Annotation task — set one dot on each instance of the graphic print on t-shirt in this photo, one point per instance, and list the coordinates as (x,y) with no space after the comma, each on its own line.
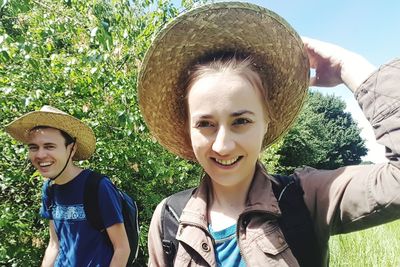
(70,212)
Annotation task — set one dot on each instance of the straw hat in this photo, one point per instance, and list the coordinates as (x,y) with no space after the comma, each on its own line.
(55,118)
(238,27)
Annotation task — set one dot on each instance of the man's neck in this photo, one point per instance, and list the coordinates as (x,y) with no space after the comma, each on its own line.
(68,174)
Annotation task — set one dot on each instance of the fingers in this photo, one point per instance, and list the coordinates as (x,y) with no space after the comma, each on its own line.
(334,65)
(327,67)
(313,57)
(323,49)
(313,81)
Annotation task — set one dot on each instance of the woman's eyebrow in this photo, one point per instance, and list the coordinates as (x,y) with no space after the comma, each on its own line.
(202,116)
(241,112)
(233,114)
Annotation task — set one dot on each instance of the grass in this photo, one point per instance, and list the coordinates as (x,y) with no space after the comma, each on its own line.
(374,247)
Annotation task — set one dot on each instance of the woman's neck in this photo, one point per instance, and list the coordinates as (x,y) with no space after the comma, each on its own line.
(227,203)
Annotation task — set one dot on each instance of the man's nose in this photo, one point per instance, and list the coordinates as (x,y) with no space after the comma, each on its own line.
(40,153)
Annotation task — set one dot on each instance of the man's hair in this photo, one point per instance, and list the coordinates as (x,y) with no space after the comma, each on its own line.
(68,139)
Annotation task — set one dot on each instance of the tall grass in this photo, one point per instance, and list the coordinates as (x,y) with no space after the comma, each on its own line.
(374,247)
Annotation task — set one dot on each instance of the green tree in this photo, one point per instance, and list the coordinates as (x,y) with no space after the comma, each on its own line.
(324,136)
(81,57)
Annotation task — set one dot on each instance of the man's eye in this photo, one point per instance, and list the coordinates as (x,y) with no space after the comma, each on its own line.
(50,147)
(241,121)
(32,148)
(203,124)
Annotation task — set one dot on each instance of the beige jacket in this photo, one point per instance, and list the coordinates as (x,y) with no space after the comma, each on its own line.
(340,201)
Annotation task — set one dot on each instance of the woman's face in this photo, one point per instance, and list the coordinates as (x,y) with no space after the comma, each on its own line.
(227,126)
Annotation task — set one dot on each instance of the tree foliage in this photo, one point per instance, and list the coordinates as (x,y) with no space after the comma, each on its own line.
(325,136)
(83,58)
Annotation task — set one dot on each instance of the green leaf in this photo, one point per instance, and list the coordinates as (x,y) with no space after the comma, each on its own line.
(4,56)
(4,4)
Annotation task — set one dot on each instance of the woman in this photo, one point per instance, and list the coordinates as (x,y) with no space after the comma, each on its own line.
(234,77)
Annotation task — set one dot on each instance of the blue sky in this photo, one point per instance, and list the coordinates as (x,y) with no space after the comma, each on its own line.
(370,28)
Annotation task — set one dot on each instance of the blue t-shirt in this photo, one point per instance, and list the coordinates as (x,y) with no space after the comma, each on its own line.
(226,248)
(80,243)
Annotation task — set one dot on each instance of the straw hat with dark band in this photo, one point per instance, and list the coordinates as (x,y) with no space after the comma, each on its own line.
(55,118)
(242,28)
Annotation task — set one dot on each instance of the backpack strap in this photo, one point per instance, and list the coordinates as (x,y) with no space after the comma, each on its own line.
(170,213)
(296,223)
(49,201)
(91,200)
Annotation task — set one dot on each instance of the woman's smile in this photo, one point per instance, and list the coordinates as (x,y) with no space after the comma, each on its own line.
(227,162)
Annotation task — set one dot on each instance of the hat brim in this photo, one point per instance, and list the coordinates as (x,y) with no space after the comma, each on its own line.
(242,28)
(85,138)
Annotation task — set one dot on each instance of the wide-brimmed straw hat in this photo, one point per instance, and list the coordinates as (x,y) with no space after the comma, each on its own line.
(55,118)
(237,27)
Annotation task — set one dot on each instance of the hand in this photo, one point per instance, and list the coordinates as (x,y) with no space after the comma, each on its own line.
(335,65)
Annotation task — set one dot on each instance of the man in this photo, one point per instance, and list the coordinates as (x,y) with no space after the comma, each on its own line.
(56,139)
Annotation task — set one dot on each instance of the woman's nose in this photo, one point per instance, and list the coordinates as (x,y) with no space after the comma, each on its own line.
(223,143)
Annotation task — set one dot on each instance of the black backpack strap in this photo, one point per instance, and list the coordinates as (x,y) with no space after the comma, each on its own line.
(91,200)
(170,213)
(49,201)
(295,222)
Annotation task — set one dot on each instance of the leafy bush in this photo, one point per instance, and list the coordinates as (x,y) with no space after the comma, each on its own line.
(81,57)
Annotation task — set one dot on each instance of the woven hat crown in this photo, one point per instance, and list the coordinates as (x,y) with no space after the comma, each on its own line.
(237,27)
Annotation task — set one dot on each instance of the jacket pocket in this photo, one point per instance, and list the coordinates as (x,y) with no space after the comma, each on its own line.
(273,244)
(188,257)
(275,249)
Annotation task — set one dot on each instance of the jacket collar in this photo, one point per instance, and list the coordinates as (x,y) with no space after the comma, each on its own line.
(260,198)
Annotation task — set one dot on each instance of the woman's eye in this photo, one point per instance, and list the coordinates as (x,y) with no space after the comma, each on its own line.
(50,147)
(203,124)
(241,121)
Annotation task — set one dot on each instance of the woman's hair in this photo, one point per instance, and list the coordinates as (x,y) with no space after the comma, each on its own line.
(242,66)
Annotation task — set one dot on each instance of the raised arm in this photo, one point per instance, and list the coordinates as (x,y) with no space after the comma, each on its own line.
(357,197)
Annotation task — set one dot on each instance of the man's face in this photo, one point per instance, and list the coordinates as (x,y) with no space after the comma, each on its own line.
(48,152)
